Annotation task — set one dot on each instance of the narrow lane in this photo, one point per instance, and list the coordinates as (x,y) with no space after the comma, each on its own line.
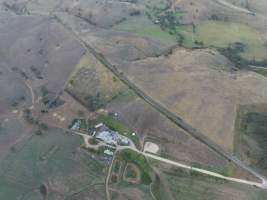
(262,185)
(203,171)
(236,8)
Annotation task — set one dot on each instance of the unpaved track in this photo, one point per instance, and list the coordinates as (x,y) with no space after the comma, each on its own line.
(236,8)
(32,93)
(161,108)
(107,179)
(203,171)
(262,185)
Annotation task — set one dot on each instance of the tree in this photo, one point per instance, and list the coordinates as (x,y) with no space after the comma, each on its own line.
(94,102)
(43,126)
(38,132)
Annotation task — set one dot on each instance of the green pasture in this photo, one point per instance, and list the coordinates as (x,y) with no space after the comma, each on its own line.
(142,26)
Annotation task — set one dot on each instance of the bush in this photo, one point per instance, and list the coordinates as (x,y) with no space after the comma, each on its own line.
(94,102)
(254,125)
(199,43)
(232,52)
(139,160)
(27,116)
(214,17)
(135,13)
(93,141)
(43,126)
(38,132)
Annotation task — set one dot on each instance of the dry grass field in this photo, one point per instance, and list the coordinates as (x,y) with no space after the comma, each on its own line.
(39,51)
(203,60)
(201,86)
(192,85)
(35,53)
(146,122)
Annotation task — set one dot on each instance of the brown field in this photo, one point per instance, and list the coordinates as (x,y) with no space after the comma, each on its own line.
(150,125)
(198,91)
(46,59)
(32,57)
(201,86)
(42,61)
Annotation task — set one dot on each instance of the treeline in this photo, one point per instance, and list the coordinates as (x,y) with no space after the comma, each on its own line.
(167,19)
(233,51)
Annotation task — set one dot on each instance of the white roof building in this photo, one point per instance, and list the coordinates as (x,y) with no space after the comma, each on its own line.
(107,137)
(99,125)
(112,138)
(76,125)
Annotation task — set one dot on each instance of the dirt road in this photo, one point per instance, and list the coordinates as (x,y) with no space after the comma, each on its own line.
(86,138)
(262,185)
(203,171)
(236,8)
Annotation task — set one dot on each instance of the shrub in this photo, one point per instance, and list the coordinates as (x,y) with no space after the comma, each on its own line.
(94,102)
(139,160)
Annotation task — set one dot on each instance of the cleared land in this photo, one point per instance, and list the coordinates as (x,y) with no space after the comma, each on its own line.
(39,51)
(148,124)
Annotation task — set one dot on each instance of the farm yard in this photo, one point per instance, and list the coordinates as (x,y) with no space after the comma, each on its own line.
(215,65)
(130,65)
(176,144)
